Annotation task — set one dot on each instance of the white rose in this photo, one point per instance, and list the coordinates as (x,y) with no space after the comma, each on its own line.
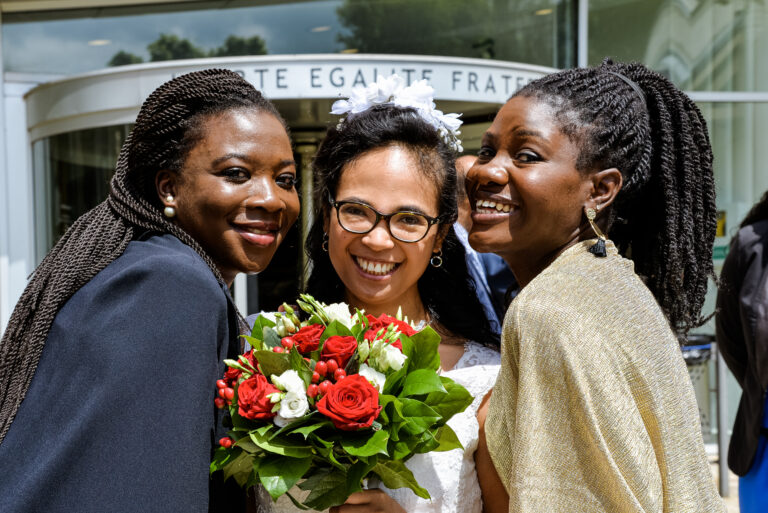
(292,407)
(375,377)
(290,381)
(339,312)
(391,358)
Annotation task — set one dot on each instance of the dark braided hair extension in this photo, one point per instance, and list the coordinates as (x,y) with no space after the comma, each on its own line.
(447,292)
(167,127)
(664,217)
(758,212)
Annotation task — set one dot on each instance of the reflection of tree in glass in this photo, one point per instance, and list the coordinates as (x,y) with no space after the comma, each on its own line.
(430,27)
(171,47)
(122,58)
(532,31)
(235,45)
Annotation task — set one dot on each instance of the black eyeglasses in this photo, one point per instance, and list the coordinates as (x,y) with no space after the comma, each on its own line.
(356,217)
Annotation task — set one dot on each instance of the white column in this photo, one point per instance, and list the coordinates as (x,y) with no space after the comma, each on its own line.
(582,33)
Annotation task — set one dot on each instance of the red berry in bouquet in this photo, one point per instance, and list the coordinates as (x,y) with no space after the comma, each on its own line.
(315,377)
(324,386)
(220,403)
(321,368)
(331,366)
(287,342)
(278,349)
(312,391)
(226,442)
(252,398)
(307,339)
(339,374)
(340,349)
(351,404)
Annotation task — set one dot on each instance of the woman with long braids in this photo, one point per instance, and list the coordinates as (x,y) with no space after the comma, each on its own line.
(384,205)
(109,362)
(742,337)
(593,410)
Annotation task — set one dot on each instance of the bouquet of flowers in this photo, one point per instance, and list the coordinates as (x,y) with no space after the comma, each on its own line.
(332,400)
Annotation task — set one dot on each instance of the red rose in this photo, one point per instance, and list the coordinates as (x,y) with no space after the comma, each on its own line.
(307,339)
(351,403)
(339,348)
(385,320)
(252,398)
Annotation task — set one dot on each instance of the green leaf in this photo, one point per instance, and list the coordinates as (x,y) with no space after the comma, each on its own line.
(256,343)
(425,355)
(247,445)
(272,363)
(278,474)
(454,400)
(239,468)
(419,417)
(447,439)
(356,473)
(330,491)
(394,381)
(259,324)
(394,474)
(366,446)
(271,338)
(300,365)
(281,445)
(422,382)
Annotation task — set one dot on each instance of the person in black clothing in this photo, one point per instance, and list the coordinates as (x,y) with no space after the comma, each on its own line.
(109,362)
(742,335)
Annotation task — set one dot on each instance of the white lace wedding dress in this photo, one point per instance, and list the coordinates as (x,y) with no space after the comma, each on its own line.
(450,477)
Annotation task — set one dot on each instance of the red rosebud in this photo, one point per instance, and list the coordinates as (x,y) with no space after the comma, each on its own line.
(252,398)
(312,391)
(339,374)
(383,320)
(321,368)
(307,339)
(339,348)
(351,404)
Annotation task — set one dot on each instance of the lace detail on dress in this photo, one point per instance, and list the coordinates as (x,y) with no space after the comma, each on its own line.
(450,477)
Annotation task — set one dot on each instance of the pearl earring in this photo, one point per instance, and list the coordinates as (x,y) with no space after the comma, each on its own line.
(169,211)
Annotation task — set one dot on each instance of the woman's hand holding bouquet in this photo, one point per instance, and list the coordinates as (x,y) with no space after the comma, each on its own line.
(330,401)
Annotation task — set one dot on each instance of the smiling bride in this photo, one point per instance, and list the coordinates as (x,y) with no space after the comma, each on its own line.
(385,200)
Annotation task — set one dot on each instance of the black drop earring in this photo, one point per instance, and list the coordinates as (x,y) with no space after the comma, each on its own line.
(598,248)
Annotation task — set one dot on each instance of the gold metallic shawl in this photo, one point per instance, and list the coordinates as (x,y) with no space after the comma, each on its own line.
(593,409)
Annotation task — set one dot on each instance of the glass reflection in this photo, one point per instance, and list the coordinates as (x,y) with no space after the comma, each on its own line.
(530,31)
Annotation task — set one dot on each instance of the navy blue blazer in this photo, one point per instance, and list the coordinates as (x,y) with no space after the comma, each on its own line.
(120,414)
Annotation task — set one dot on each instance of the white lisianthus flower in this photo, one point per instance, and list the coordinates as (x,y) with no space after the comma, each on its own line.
(292,407)
(339,312)
(289,381)
(391,358)
(363,350)
(374,377)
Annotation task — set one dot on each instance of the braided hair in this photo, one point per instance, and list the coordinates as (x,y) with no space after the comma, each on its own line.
(447,292)
(168,126)
(664,218)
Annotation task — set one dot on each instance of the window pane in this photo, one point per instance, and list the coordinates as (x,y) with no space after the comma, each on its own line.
(700,45)
(530,31)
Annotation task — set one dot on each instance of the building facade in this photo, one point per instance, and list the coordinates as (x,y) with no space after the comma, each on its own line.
(76,71)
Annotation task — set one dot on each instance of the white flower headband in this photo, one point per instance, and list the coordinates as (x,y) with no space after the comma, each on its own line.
(418,96)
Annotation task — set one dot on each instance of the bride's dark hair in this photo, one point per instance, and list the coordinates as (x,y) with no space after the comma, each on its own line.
(448,292)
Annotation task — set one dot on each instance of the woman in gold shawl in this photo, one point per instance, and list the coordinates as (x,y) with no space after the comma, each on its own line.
(593,410)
